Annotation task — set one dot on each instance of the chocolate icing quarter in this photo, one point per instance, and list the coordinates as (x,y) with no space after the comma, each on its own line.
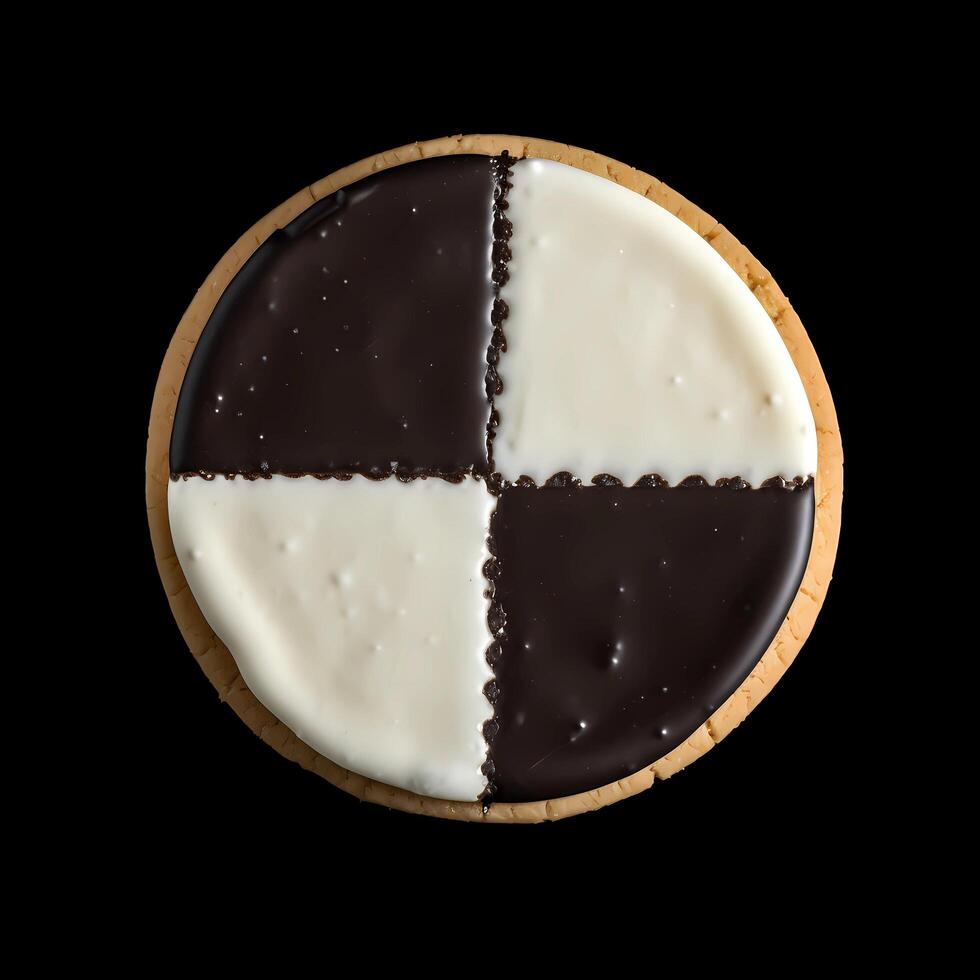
(631,615)
(355,338)
(492,479)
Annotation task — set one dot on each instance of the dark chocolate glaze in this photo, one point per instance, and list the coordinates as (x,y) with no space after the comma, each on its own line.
(495,623)
(356,338)
(623,617)
(503,229)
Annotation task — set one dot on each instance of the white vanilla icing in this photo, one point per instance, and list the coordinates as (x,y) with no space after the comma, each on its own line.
(355,612)
(633,348)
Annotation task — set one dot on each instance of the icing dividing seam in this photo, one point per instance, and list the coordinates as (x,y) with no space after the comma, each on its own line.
(500,256)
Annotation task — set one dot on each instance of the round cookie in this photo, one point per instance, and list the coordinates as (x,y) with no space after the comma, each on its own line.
(221,668)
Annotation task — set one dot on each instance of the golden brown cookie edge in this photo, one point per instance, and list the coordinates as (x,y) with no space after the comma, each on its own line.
(218,664)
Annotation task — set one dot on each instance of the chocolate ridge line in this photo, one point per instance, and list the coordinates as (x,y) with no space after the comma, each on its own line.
(495,484)
(500,255)
(567,480)
(503,230)
(402,474)
(496,623)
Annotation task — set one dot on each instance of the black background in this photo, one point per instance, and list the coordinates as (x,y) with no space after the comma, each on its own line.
(797,776)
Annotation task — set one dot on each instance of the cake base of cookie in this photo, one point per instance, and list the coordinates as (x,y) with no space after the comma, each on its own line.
(215,659)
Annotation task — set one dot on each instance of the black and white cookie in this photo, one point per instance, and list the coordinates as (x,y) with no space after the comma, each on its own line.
(493,476)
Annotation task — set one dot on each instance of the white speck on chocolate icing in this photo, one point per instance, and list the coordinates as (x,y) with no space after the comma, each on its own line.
(609,294)
(326,594)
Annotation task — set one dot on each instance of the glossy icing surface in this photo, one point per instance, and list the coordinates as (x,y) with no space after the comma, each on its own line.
(628,616)
(633,348)
(355,612)
(389,328)
(354,339)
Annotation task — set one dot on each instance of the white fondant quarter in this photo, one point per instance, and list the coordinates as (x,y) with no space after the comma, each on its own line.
(633,348)
(355,611)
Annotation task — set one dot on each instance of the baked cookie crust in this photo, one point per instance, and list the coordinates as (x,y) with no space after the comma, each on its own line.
(215,659)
